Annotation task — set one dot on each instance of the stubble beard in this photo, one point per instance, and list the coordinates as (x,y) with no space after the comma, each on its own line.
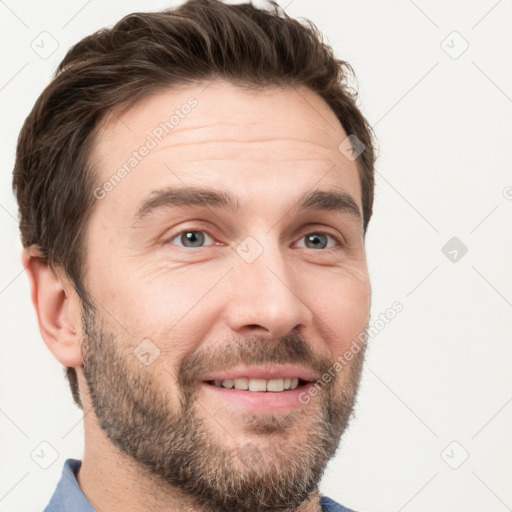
(277,468)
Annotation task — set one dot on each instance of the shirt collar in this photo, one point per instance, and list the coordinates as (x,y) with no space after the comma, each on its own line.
(68,497)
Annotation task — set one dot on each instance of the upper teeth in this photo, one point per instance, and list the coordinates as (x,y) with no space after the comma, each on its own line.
(258,384)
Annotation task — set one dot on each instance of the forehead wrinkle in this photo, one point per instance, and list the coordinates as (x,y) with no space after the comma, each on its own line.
(314,150)
(251,122)
(311,133)
(236,133)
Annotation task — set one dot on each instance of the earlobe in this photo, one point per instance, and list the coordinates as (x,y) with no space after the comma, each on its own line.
(57,307)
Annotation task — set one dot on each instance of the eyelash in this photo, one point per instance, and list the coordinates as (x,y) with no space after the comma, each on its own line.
(339,242)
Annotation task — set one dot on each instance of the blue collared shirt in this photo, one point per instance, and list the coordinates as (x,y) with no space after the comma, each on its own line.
(68,497)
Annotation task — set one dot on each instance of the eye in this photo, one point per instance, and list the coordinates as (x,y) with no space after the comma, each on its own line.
(191,238)
(318,240)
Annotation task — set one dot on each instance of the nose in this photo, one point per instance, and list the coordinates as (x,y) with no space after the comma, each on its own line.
(266,296)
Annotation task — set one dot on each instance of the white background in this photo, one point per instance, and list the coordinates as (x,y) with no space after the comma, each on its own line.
(440,371)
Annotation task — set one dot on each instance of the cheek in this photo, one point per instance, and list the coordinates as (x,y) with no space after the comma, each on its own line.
(172,307)
(343,308)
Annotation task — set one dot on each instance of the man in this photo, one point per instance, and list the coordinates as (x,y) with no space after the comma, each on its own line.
(194,189)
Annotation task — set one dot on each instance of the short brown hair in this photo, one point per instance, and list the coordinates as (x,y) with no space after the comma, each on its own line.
(198,41)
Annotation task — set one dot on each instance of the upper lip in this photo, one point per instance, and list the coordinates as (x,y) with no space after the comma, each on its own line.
(268,372)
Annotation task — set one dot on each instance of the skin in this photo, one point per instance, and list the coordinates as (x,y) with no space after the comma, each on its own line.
(206,307)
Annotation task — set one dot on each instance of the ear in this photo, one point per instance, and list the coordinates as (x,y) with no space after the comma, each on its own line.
(58,308)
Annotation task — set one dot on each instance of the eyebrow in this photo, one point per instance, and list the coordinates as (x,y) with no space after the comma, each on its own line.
(196,196)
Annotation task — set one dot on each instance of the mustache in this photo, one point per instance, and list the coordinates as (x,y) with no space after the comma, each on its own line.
(289,349)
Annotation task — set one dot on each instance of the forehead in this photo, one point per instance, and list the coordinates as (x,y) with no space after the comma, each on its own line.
(252,142)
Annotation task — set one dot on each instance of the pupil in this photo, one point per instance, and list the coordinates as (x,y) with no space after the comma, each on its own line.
(192,236)
(314,239)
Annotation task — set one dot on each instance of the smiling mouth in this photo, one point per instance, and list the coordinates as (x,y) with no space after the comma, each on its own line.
(259,385)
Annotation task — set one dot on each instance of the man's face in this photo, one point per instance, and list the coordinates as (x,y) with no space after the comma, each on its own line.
(192,292)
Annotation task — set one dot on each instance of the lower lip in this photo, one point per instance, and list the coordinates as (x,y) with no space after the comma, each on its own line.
(261,401)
